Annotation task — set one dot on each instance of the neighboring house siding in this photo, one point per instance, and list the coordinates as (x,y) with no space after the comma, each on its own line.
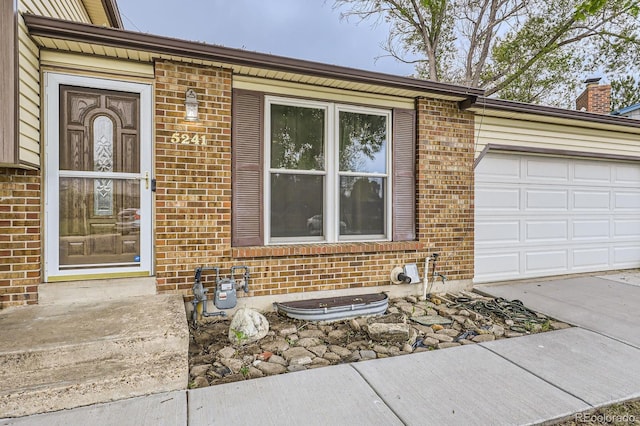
(194,200)
(528,134)
(29,73)
(8,86)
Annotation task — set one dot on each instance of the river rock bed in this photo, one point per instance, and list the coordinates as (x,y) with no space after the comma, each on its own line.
(294,345)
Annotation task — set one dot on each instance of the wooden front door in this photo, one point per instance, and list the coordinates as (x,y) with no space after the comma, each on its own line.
(103,197)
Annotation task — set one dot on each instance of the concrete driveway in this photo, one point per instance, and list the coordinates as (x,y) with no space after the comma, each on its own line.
(605,304)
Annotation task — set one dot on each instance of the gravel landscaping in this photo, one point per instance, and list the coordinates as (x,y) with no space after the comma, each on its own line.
(408,326)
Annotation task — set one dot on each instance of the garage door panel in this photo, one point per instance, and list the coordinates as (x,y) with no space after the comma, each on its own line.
(627,229)
(498,199)
(548,261)
(547,170)
(539,199)
(559,216)
(498,264)
(627,174)
(591,200)
(592,173)
(548,230)
(584,230)
(499,232)
(591,258)
(626,200)
(502,168)
(626,256)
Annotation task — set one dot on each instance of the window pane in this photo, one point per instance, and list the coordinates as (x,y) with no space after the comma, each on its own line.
(89,236)
(363,142)
(297,138)
(296,205)
(362,206)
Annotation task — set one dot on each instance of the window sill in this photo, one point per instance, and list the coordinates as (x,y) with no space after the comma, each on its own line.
(321,249)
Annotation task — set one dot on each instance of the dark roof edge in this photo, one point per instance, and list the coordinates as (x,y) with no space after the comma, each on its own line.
(111,7)
(75,31)
(482,103)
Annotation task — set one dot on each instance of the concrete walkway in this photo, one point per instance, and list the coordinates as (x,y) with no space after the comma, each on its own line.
(525,380)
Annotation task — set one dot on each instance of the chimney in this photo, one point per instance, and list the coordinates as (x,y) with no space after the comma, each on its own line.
(595,98)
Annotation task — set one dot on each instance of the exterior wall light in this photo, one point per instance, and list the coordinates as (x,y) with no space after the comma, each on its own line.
(191,106)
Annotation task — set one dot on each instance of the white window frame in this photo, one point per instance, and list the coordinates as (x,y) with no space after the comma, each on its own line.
(331,173)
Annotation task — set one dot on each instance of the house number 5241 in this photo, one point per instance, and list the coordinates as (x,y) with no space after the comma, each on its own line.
(188,139)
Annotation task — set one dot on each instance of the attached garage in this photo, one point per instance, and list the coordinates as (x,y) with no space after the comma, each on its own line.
(556,191)
(543,215)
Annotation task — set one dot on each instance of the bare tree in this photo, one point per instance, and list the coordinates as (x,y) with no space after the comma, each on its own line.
(527,50)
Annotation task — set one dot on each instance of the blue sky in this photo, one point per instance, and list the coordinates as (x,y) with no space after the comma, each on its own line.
(303,29)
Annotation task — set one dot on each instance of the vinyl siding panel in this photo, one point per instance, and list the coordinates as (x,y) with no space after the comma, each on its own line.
(71,10)
(8,86)
(29,71)
(521,133)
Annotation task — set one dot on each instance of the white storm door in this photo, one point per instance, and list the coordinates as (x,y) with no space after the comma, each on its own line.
(98,215)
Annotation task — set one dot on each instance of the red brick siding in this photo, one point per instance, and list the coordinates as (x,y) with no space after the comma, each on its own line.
(193,200)
(445,185)
(20,236)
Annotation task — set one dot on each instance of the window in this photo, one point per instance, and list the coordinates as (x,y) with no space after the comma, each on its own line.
(326,172)
(310,167)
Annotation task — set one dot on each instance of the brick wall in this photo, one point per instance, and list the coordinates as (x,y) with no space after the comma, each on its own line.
(20,239)
(193,200)
(193,197)
(446,185)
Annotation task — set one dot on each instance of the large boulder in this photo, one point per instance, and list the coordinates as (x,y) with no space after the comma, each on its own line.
(247,326)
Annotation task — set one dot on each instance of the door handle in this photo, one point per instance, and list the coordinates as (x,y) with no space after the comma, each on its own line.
(146,179)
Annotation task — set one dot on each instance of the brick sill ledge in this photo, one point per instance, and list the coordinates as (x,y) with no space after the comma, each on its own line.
(320,249)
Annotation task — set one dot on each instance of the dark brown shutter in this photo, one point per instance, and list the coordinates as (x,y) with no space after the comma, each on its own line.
(404,176)
(246,169)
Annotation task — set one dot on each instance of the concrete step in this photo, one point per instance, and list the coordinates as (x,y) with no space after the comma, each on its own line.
(98,291)
(63,356)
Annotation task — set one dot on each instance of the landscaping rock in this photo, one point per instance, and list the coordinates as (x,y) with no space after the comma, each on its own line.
(306,342)
(271,368)
(445,345)
(276,359)
(199,382)
(559,325)
(310,333)
(298,356)
(277,346)
(340,351)
(380,332)
(368,354)
(484,338)
(199,370)
(295,368)
(226,352)
(247,326)
(318,350)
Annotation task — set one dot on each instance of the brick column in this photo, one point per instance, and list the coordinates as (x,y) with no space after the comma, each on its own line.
(193,198)
(445,187)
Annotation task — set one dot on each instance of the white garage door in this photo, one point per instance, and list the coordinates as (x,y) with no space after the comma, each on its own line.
(539,216)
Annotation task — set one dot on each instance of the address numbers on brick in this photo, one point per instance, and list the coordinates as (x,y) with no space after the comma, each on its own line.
(188,139)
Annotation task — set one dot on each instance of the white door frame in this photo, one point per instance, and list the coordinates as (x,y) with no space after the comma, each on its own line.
(51,235)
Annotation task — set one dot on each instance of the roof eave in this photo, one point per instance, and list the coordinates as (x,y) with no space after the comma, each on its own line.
(80,32)
(483,105)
